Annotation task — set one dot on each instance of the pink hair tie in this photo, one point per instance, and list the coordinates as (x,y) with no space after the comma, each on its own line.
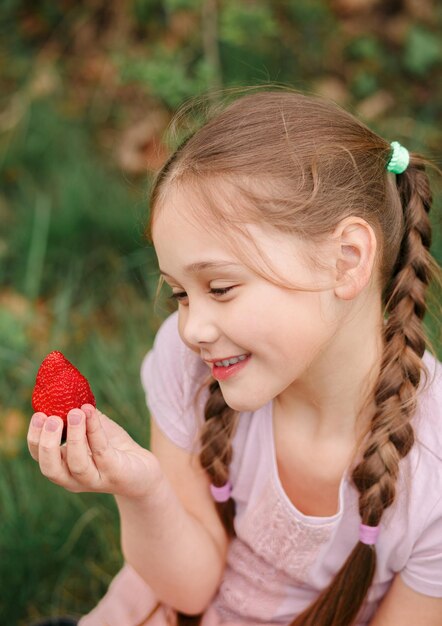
(368,534)
(221,494)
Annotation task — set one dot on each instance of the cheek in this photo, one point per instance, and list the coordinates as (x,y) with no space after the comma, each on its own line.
(311,333)
(294,324)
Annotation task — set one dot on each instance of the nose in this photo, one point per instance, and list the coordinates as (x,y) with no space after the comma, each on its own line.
(198,324)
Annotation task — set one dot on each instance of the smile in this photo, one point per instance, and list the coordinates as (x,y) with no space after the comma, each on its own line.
(222,372)
(231,361)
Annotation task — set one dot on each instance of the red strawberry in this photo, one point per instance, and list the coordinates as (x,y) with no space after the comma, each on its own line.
(60,387)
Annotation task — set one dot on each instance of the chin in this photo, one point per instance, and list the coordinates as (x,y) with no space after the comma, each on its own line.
(244,405)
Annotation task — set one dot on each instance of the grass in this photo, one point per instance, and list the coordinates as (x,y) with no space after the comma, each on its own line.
(63,548)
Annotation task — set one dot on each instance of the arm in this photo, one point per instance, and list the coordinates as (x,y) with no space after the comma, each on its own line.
(405,607)
(184,574)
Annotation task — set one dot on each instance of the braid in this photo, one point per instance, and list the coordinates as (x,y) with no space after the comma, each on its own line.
(391,435)
(216,453)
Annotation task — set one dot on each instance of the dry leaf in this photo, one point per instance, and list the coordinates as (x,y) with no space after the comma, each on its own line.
(141,147)
(13,428)
(376,105)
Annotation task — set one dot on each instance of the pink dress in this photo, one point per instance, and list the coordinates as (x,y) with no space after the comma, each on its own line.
(281,558)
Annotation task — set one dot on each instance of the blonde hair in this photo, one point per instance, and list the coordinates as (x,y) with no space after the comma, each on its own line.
(301,164)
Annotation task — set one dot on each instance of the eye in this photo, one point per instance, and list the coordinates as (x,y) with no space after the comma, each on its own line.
(181,295)
(178,296)
(221,291)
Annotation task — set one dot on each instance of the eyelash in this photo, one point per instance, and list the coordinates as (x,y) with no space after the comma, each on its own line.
(218,292)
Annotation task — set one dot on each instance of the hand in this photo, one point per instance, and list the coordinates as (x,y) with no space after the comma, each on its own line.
(98,455)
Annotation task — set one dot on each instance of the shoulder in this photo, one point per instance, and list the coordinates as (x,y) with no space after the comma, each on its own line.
(170,350)
(427,421)
(420,480)
(167,334)
(171,375)
(412,543)
(421,484)
(162,365)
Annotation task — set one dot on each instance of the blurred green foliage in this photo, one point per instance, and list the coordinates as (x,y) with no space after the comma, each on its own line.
(87,91)
(423,51)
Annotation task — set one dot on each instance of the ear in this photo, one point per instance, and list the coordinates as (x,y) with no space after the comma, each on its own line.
(354,252)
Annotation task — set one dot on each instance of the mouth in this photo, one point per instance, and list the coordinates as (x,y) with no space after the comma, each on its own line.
(222,372)
(229,360)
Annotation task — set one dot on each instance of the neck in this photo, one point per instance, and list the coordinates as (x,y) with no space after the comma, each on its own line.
(329,399)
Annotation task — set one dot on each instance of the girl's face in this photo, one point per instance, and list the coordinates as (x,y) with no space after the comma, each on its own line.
(229,310)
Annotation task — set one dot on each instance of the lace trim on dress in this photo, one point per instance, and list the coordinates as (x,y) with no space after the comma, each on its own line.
(273,552)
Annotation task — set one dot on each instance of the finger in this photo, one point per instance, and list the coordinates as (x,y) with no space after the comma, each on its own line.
(49,451)
(77,450)
(101,450)
(37,422)
(87,408)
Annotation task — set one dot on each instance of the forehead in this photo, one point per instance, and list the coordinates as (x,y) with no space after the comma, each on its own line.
(185,233)
(177,231)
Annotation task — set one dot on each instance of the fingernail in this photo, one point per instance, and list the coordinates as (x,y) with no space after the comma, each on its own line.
(51,424)
(74,418)
(87,410)
(38,420)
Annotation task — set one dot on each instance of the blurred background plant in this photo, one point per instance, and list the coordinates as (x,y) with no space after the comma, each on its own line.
(88,89)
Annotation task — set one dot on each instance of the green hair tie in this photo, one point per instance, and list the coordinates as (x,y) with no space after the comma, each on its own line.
(399,160)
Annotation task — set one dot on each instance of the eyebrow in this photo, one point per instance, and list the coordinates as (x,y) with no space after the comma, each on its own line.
(194,268)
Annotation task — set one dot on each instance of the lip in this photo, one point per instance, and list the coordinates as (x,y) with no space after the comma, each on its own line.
(225,358)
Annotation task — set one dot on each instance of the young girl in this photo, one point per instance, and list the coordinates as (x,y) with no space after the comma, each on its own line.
(295,471)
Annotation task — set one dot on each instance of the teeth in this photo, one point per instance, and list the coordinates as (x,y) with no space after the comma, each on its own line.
(232,361)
